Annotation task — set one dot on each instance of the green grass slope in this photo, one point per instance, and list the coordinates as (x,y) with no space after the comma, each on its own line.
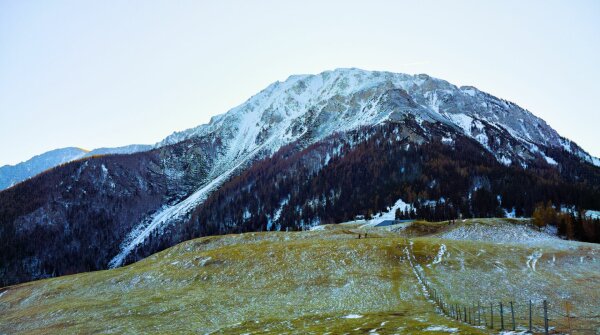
(315,282)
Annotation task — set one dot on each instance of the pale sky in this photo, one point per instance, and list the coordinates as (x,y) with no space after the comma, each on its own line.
(111,73)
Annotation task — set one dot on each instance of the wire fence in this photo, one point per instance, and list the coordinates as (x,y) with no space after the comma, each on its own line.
(539,317)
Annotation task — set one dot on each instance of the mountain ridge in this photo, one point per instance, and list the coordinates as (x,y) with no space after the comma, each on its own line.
(13,174)
(435,94)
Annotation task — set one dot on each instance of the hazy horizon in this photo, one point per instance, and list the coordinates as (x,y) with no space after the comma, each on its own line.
(96,75)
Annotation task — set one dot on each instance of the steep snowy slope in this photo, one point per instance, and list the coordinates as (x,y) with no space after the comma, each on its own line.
(369,169)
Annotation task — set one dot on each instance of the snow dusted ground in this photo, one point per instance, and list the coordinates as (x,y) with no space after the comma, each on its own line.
(320,281)
(310,282)
(497,231)
(491,260)
(443,329)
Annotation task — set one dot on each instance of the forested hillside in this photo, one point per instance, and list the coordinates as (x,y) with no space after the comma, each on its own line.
(72,218)
(365,171)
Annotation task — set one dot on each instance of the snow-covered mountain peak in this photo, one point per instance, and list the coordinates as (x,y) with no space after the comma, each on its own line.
(300,93)
(345,98)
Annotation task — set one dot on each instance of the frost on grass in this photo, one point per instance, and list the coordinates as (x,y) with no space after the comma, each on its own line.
(533,258)
(498,231)
(438,257)
(478,268)
(303,282)
(440,329)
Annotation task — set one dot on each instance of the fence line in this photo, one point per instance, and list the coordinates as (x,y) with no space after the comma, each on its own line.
(538,317)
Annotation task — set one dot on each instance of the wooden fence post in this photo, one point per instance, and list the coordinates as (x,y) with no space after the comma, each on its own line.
(472,315)
(491,315)
(468,315)
(512,313)
(478,314)
(568,310)
(545,317)
(501,317)
(530,322)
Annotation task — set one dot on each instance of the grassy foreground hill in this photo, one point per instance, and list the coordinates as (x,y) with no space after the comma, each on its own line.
(320,281)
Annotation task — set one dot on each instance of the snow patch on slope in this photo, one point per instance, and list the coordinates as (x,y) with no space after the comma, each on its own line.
(499,232)
(444,329)
(142,231)
(389,215)
(463,121)
(439,256)
(170,213)
(548,159)
(592,214)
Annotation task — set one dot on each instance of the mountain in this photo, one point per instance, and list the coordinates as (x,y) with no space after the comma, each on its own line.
(312,149)
(308,108)
(13,174)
